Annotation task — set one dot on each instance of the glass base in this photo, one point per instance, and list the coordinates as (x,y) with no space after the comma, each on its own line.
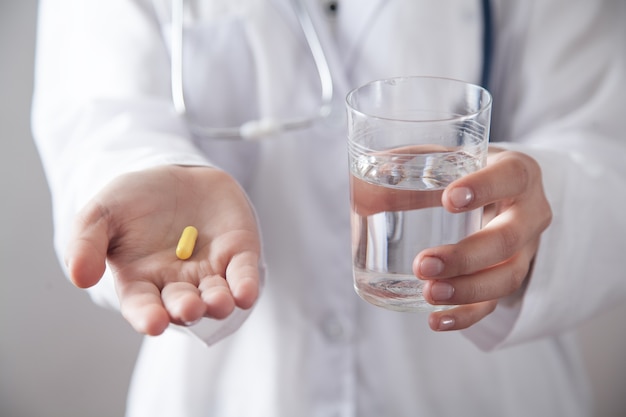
(403,295)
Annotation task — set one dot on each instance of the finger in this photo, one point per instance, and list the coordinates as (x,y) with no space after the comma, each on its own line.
(85,255)
(236,256)
(242,275)
(499,281)
(461,317)
(368,199)
(217,297)
(141,306)
(183,303)
(507,177)
(498,241)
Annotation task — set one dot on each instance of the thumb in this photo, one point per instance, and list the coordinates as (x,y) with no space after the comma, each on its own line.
(86,252)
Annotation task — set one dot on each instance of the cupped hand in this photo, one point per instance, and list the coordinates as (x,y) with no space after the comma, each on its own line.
(494,262)
(134,225)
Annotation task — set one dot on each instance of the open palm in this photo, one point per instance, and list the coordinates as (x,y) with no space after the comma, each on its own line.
(134,225)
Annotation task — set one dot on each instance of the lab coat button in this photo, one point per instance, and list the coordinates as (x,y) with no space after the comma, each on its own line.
(335,330)
(331,6)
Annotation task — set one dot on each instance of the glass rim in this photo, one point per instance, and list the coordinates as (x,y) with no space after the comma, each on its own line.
(469,115)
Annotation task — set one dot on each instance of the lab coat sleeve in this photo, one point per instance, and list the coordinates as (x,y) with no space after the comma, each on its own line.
(560,95)
(102,108)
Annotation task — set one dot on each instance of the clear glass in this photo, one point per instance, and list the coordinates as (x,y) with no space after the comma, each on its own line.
(408,138)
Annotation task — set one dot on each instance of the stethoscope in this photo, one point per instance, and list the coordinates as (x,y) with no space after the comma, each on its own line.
(256,129)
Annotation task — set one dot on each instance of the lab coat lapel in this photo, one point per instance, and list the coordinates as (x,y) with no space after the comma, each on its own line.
(278,51)
(329,43)
(358,15)
(397,38)
(361,14)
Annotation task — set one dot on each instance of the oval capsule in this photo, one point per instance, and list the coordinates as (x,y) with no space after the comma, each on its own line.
(186,243)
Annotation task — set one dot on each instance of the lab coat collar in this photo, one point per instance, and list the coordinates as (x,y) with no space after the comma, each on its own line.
(361,14)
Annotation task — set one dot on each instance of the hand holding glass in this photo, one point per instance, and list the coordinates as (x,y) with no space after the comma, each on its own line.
(408,139)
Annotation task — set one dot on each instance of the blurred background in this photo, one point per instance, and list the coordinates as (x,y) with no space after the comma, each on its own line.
(60,355)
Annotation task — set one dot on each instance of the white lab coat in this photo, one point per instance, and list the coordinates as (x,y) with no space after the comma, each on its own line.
(311,347)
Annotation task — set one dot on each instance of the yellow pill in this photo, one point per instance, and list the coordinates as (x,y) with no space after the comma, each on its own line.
(187,242)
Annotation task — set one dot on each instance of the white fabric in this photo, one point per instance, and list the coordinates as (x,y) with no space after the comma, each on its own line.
(311,347)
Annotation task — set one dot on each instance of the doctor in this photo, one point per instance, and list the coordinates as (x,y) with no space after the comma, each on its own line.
(263,320)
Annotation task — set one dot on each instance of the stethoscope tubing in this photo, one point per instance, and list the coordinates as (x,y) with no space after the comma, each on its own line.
(256,129)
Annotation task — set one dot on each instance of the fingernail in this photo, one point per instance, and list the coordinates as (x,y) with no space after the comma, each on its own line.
(441,291)
(446,323)
(461,197)
(431,266)
(191,323)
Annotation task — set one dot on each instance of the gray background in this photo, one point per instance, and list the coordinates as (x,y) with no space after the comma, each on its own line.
(62,356)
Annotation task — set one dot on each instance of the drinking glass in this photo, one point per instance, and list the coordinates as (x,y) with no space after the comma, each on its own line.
(408,139)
